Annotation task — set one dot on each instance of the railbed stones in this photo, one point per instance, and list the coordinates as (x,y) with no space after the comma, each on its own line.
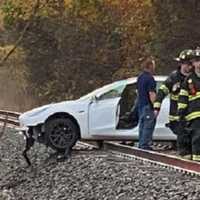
(88,175)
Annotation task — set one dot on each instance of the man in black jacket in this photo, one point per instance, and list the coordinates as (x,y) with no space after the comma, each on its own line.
(189,110)
(171,87)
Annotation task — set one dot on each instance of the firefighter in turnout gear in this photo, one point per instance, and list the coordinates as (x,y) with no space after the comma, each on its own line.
(189,109)
(171,87)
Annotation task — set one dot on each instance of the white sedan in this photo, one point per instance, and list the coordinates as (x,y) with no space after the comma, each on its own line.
(99,115)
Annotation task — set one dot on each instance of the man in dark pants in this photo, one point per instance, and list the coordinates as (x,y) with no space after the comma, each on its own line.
(146,87)
(171,86)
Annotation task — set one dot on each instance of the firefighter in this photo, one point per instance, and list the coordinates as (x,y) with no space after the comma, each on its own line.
(171,87)
(189,109)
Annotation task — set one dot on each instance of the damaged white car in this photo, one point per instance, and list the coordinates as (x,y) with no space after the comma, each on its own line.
(100,115)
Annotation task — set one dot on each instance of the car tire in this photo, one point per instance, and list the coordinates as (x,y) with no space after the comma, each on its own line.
(61,133)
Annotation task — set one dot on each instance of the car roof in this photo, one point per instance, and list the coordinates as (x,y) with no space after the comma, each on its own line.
(157,78)
(119,83)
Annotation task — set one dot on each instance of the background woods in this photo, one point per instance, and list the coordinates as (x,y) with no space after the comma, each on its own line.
(68,48)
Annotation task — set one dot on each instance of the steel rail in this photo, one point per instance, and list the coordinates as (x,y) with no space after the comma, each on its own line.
(165,160)
(10,113)
(9,121)
(9,117)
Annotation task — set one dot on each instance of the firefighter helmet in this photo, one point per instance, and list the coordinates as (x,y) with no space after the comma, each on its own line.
(196,54)
(185,55)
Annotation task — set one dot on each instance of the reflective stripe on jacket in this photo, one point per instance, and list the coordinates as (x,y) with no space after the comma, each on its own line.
(171,87)
(189,98)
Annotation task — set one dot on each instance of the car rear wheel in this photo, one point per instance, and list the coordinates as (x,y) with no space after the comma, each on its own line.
(61,133)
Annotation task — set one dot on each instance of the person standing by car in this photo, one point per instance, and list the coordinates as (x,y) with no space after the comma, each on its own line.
(189,109)
(146,88)
(172,86)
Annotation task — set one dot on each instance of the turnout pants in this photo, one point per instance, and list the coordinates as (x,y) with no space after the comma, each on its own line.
(188,140)
(195,141)
(184,146)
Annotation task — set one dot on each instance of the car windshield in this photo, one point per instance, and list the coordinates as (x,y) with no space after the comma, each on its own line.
(113,92)
(118,84)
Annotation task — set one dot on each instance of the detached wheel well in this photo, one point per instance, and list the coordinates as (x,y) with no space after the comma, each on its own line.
(65,115)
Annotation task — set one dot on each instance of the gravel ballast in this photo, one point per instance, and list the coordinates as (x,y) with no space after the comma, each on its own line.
(87,175)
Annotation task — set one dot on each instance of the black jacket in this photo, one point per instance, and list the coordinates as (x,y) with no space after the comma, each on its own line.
(189,98)
(171,87)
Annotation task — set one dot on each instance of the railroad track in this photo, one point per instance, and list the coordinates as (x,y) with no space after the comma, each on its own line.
(132,153)
(9,117)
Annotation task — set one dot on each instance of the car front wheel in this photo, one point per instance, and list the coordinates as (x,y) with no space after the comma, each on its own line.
(61,133)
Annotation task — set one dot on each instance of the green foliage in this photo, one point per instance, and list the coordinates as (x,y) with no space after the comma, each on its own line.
(11,12)
(70,56)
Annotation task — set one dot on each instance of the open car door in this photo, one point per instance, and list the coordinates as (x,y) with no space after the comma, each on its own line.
(104,112)
(111,113)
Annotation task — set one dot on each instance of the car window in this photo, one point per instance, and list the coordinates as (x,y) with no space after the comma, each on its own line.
(113,93)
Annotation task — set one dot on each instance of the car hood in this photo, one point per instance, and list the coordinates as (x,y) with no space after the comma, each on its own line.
(48,106)
(65,106)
